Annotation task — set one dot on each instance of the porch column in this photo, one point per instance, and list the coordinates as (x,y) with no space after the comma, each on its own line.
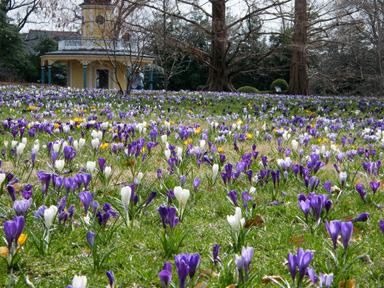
(85,76)
(42,75)
(128,76)
(151,80)
(49,74)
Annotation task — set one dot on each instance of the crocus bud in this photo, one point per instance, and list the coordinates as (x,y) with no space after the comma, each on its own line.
(126,196)
(215,170)
(59,164)
(139,177)
(49,216)
(107,171)
(91,166)
(79,282)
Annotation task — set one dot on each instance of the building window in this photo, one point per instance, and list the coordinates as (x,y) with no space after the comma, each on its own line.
(100,20)
(102,78)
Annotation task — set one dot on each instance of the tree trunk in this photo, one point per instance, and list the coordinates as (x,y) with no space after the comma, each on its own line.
(219,78)
(298,78)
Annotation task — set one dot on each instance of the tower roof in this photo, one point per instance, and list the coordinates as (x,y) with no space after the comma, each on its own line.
(96,2)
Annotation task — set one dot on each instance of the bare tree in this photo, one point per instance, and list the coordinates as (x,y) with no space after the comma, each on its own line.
(226,35)
(298,79)
(20,9)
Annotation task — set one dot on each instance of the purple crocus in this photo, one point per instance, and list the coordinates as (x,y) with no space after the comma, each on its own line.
(166,275)
(12,192)
(233,196)
(292,265)
(317,205)
(61,204)
(45,179)
(374,186)
(361,191)
(381,224)
(13,230)
(94,206)
(196,183)
(27,191)
(305,206)
(182,269)
(328,186)
(246,255)
(326,280)
(361,218)
(86,199)
(163,211)
(346,233)
(21,207)
(101,162)
(10,230)
(245,198)
(172,219)
(39,213)
(111,279)
(303,261)
(183,179)
(215,254)
(150,199)
(333,228)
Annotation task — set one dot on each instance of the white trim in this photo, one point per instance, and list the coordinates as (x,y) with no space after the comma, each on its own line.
(90,68)
(91,24)
(113,79)
(84,24)
(69,73)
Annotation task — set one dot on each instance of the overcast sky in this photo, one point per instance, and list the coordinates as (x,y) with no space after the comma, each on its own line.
(41,21)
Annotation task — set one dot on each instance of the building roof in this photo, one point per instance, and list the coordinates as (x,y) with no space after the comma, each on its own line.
(96,2)
(57,35)
(93,54)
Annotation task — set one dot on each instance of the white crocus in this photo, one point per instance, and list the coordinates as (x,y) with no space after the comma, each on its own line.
(91,166)
(49,216)
(75,144)
(215,170)
(24,141)
(6,144)
(164,138)
(252,190)
(179,152)
(79,282)
(107,172)
(2,178)
(97,134)
(126,193)
(202,144)
(235,221)
(56,147)
(81,143)
(139,177)
(95,143)
(182,196)
(20,149)
(295,145)
(36,147)
(59,164)
(167,153)
(13,144)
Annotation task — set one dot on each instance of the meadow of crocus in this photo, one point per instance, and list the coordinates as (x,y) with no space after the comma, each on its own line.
(189,189)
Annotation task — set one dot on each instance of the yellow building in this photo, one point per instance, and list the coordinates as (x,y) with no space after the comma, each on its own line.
(97,60)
